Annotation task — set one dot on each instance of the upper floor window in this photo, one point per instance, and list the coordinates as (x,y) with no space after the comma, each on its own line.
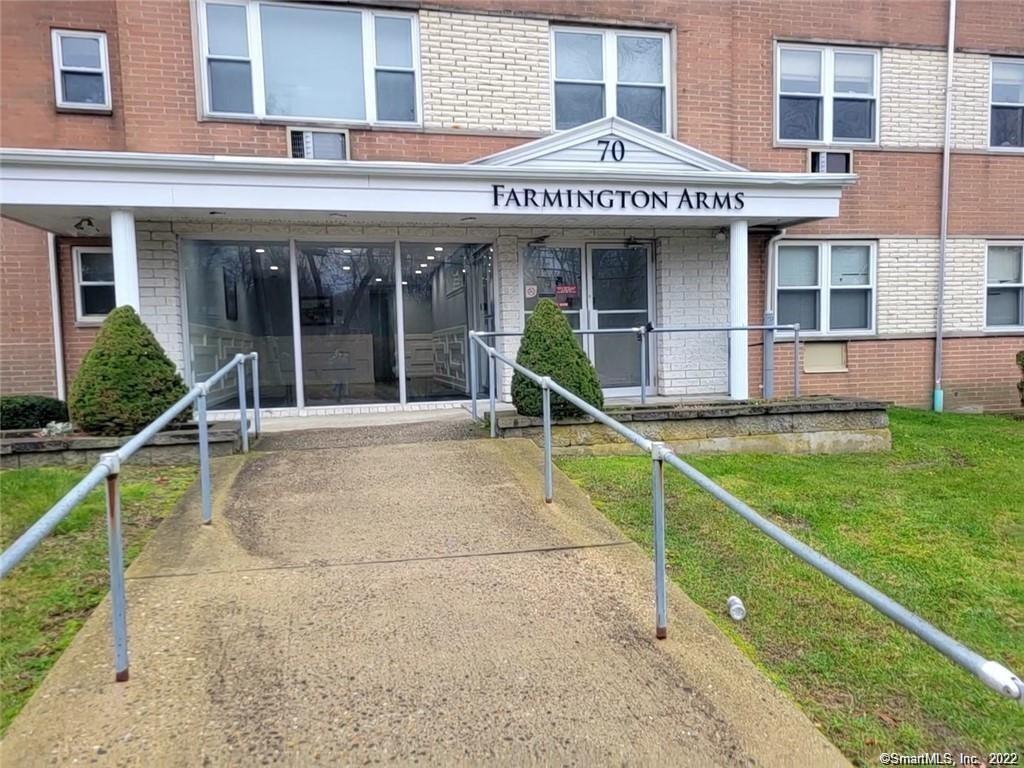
(266,59)
(826,94)
(1005,285)
(607,72)
(94,283)
(1007,116)
(81,70)
(826,287)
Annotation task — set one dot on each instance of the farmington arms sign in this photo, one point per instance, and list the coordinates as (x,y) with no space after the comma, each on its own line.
(621,199)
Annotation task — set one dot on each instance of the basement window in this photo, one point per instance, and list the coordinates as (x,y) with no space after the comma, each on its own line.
(81,70)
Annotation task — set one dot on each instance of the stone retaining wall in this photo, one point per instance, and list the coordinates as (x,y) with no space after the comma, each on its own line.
(809,425)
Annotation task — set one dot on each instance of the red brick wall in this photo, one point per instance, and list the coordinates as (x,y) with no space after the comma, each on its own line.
(27,363)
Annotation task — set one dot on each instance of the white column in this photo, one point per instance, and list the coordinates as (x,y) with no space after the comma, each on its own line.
(126,259)
(738,384)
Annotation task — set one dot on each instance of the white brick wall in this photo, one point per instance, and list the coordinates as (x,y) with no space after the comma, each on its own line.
(970,101)
(908,284)
(912,98)
(485,72)
(692,288)
(160,286)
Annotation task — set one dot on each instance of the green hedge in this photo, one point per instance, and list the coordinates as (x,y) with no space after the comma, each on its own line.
(126,380)
(549,348)
(30,411)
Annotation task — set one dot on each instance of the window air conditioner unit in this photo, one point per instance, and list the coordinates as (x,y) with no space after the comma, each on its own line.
(831,161)
(318,145)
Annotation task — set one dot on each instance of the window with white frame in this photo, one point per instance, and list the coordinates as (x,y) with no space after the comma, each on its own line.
(94,282)
(81,70)
(826,287)
(1004,305)
(598,73)
(291,60)
(826,94)
(1006,123)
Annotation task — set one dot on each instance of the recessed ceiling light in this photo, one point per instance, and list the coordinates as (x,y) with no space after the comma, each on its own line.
(274,267)
(423,265)
(379,279)
(346,250)
(261,250)
(404,282)
(463,271)
(419,271)
(430,258)
(346,267)
(438,248)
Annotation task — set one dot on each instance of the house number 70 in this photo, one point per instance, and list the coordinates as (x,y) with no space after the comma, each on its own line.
(618,149)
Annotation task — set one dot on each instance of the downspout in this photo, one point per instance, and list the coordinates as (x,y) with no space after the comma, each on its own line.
(944,211)
(58,336)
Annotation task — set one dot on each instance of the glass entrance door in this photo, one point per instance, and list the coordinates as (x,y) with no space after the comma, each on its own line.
(618,297)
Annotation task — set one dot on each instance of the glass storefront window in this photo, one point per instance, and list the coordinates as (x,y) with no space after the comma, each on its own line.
(445,294)
(347,323)
(557,274)
(239,300)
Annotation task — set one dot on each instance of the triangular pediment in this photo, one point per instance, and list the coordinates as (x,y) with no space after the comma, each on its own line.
(610,142)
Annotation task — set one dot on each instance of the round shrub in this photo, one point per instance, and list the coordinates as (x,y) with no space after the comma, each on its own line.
(126,379)
(30,411)
(549,348)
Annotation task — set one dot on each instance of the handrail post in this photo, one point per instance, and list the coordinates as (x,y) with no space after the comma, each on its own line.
(492,375)
(796,360)
(658,452)
(204,457)
(115,558)
(643,365)
(768,357)
(243,417)
(256,394)
(549,482)
(473,351)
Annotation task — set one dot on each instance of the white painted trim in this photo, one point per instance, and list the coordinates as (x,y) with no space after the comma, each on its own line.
(76,269)
(985,286)
(58,67)
(400,324)
(58,331)
(600,128)
(827,94)
(255,59)
(739,386)
(293,269)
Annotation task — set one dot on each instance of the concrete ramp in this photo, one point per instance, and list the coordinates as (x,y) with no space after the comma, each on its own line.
(415,602)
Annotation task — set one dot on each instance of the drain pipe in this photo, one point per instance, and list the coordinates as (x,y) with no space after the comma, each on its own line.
(937,394)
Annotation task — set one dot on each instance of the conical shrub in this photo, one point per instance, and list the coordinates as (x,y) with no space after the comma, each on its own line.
(549,348)
(126,379)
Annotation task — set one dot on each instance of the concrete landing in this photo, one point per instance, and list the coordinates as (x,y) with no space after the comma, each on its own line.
(409,603)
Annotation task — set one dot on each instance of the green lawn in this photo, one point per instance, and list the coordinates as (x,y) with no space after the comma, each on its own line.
(49,595)
(938,524)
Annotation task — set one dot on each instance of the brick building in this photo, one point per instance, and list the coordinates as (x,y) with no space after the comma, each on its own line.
(348,188)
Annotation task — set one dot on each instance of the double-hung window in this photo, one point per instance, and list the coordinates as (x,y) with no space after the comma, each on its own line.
(1004,305)
(1006,123)
(826,287)
(307,62)
(94,283)
(81,70)
(827,95)
(609,72)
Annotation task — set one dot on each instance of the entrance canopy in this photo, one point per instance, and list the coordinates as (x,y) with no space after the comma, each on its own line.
(603,174)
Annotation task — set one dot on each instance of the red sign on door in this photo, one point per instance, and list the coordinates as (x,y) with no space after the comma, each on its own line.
(566,290)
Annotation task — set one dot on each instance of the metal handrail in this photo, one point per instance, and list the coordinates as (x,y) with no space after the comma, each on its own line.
(991,673)
(769,328)
(108,468)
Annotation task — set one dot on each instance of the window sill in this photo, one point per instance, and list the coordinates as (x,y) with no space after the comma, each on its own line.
(301,122)
(824,145)
(89,322)
(71,109)
(1006,150)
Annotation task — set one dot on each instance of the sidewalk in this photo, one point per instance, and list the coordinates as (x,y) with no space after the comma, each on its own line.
(411,603)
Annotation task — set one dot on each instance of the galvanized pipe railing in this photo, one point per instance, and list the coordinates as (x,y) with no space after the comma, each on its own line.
(108,469)
(642,333)
(991,673)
